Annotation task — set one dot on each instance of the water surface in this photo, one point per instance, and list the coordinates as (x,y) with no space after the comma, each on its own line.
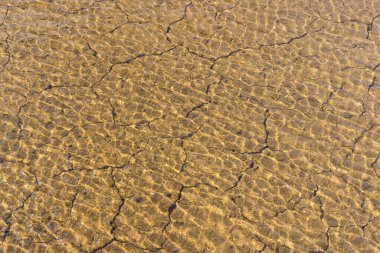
(189,126)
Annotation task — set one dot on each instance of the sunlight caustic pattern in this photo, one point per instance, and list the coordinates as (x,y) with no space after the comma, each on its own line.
(190,126)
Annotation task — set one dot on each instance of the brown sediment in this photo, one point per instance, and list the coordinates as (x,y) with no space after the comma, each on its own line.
(189,126)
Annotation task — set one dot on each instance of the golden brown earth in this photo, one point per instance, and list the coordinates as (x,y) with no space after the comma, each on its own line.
(190,126)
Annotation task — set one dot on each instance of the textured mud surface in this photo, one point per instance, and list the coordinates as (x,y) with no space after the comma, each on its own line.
(189,126)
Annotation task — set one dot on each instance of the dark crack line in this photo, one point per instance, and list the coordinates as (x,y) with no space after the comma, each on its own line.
(187,136)
(8,218)
(200,55)
(7,51)
(236,182)
(284,22)
(215,59)
(47,241)
(114,239)
(332,21)
(364,109)
(374,163)
(263,248)
(121,10)
(102,168)
(134,155)
(218,13)
(168,28)
(372,84)
(114,225)
(196,108)
(131,60)
(122,25)
(208,87)
(72,203)
(300,56)
(266,138)
(6,40)
(227,55)
(266,115)
(19,121)
(85,8)
(103,246)
(114,114)
(292,207)
(314,194)
(315,191)
(231,53)
(376,66)
(5,16)
(94,52)
(222,78)
(326,248)
(249,221)
(331,96)
(241,174)
(173,206)
(321,209)
(69,132)
(370,25)
(371,218)
(120,206)
(265,245)
(344,179)
(127,15)
(184,163)
(113,109)
(284,43)
(116,28)
(182,139)
(358,139)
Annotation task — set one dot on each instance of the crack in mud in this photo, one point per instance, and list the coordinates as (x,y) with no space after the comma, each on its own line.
(8,218)
(141,55)
(370,25)
(168,28)
(267,110)
(173,206)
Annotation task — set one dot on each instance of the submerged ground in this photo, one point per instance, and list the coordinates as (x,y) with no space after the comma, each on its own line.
(189,126)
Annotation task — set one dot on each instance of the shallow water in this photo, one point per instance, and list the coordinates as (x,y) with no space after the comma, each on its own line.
(189,126)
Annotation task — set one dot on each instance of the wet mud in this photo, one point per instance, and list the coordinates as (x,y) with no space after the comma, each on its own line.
(189,126)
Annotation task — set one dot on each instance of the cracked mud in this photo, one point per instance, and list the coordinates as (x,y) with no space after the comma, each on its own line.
(189,126)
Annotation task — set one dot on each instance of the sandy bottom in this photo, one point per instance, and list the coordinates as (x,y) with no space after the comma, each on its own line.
(189,126)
